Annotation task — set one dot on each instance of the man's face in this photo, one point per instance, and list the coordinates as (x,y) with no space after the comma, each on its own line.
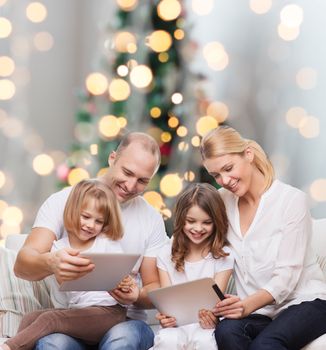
(130,173)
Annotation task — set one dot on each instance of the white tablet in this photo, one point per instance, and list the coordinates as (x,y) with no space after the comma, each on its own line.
(183,301)
(109,270)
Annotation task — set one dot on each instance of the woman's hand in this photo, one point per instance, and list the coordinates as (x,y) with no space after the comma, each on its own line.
(207,319)
(166,321)
(126,292)
(231,307)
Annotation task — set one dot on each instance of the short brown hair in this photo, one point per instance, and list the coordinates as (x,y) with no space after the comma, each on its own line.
(106,204)
(208,199)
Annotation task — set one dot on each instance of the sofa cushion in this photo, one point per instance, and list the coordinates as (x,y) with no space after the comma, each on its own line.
(17,296)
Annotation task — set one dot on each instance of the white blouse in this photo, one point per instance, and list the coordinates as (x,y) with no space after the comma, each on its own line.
(275,253)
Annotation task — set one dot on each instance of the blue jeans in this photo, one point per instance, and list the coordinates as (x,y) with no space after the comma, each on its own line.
(129,335)
(294,328)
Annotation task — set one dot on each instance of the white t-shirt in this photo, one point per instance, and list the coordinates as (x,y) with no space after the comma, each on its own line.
(144,230)
(206,267)
(275,254)
(83,299)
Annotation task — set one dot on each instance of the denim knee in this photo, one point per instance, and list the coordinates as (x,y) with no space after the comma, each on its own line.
(58,341)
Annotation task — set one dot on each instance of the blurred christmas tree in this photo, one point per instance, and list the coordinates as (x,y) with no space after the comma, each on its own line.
(144,84)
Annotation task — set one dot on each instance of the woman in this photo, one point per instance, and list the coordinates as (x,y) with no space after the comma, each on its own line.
(281,301)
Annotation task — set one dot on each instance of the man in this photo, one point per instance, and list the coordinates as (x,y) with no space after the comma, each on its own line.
(131,167)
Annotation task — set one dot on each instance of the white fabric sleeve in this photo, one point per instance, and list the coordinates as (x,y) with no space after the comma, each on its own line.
(164,257)
(226,263)
(292,249)
(50,214)
(157,238)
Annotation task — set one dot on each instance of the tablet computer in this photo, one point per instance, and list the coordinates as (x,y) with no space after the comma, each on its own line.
(183,301)
(109,270)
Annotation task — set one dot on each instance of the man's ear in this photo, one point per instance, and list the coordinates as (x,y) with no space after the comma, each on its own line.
(112,157)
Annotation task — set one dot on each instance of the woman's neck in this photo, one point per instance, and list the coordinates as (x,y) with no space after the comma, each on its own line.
(256,189)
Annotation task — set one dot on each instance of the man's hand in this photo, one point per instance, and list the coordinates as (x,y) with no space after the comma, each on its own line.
(67,265)
(127,291)
(166,321)
(207,319)
(231,307)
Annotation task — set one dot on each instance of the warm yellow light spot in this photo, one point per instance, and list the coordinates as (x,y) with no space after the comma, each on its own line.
(154,199)
(109,126)
(43,164)
(202,7)
(183,146)
(179,34)
(43,41)
(160,41)
(177,98)
(2,179)
(5,27)
(6,230)
(3,206)
(141,76)
(7,66)
(182,131)
(171,185)
(12,216)
(169,10)
(166,213)
(96,83)
(215,55)
(163,57)
(122,122)
(306,78)
(155,112)
(195,141)
(291,16)
(102,172)
(288,33)
(7,89)
(93,148)
(166,137)
(189,176)
(309,127)
(260,6)
(122,70)
(127,5)
(218,110)
(36,12)
(294,116)
(205,124)
(173,122)
(318,190)
(119,90)
(125,41)
(76,175)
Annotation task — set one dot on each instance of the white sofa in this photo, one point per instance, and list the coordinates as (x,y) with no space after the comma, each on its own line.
(35,294)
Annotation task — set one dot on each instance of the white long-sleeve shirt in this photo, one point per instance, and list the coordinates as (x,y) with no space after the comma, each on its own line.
(275,253)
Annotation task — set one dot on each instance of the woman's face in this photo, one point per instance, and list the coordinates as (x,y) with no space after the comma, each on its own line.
(232,171)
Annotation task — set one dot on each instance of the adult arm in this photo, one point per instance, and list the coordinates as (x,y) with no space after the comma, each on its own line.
(35,260)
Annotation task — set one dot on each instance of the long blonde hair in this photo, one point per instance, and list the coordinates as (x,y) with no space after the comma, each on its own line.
(106,204)
(225,140)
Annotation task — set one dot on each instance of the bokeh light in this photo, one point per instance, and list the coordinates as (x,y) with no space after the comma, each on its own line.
(125,42)
(155,112)
(43,164)
(291,15)
(154,199)
(119,90)
(294,116)
(182,131)
(43,41)
(173,122)
(5,27)
(218,110)
(309,127)
(306,78)
(202,7)
(7,66)
(160,41)
(12,216)
(205,124)
(318,190)
(169,10)
(141,76)
(171,185)
(189,176)
(288,33)
(96,83)
(195,141)
(216,56)
(177,98)
(2,179)
(260,6)
(76,175)
(7,89)
(36,12)
(109,126)
(127,5)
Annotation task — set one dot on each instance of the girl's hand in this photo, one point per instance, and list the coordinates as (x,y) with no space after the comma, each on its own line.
(127,291)
(166,321)
(232,307)
(207,319)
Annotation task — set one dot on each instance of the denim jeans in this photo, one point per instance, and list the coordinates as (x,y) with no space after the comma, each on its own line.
(129,335)
(292,329)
